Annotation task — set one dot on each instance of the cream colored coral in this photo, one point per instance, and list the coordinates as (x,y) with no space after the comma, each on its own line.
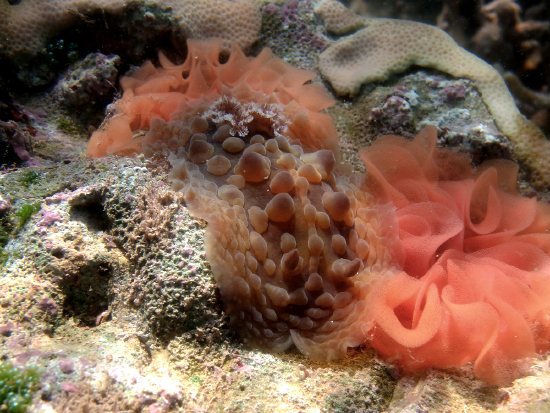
(388,46)
(338,18)
(228,20)
(25,27)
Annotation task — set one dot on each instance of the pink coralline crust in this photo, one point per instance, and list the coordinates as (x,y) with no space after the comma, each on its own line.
(49,218)
(48,306)
(7,328)
(476,279)
(187,250)
(160,92)
(69,387)
(56,198)
(66,366)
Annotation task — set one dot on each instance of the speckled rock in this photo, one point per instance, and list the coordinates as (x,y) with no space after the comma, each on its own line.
(90,82)
(404,105)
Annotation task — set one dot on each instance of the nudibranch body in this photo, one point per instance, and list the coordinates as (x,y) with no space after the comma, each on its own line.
(294,242)
(293,238)
(432,263)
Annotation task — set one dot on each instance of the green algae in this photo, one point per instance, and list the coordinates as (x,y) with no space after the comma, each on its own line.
(17,387)
(24,214)
(11,225)
(29,178)
(58,54)
(69,126)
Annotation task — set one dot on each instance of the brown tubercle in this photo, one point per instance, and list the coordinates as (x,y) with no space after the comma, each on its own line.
(253,167)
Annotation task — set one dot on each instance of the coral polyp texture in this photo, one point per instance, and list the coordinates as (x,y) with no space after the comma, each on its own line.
(338,18)
(426,260)
(387,46)
(27,25)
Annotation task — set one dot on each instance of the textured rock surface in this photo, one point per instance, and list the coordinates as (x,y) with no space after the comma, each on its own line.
(204,367)
(143,371)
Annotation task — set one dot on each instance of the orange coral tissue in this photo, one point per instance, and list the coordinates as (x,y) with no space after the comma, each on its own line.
(430,262)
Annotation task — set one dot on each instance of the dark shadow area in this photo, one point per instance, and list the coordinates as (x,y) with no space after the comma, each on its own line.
(92,215)
(87,293)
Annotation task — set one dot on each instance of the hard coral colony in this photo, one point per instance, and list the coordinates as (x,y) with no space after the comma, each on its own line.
(386,46)
(428,261)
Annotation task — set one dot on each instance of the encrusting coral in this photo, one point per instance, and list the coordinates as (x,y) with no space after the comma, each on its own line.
(26,25)
(387,46)
(338,18)
(429,261)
